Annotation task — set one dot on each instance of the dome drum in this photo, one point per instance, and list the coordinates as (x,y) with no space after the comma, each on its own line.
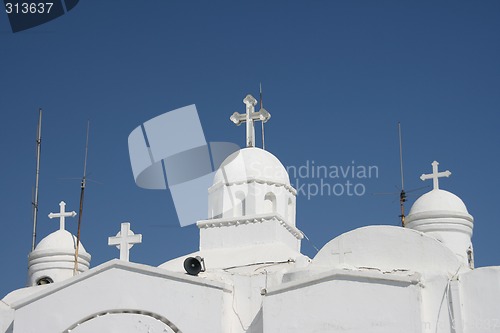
(251,181)
(441,224)
(58,267)
(443,214)
(50,258)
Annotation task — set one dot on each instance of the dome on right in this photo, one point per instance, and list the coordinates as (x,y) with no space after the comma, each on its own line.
(437,203)
(444,216)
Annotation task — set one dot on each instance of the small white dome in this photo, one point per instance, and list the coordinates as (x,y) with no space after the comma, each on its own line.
(60,240)
(251,163)
(443,215)
(53,259)
(438,200)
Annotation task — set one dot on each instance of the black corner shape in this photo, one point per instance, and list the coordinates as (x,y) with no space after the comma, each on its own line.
(70,4)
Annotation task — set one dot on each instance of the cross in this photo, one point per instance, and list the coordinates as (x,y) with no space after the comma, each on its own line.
(62,215)
(249,117)
(124,240)
(341,252)
(435,175)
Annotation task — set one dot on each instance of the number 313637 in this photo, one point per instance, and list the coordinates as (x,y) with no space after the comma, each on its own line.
(28,8)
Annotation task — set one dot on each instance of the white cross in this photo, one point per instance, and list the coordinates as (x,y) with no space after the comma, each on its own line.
(435,175)
(341,252)
(124,240)
(62,215)
(249,117)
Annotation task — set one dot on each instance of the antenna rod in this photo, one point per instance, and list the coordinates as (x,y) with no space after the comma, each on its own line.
(35,198)
(401,156)
(82,192)
(260,90)
(262,122)
(263,141)
(402,196)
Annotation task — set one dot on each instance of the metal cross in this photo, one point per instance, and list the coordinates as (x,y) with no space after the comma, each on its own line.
(435,175)
(124,240)
(249,117)
(62,215)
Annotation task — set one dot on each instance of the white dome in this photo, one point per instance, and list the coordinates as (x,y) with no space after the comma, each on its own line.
(53,259)
(60,240)
(443,215)
(438,200)
(251,163)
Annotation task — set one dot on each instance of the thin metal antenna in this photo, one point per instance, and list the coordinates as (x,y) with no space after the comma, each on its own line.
(82,192)
(35,197)
(312,244)
(260,91)
(262,122)
(402,196)
(401,156)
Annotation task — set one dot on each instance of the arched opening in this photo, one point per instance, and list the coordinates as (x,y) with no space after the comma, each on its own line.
(129,320)
(216,210)
(240,204)
(270,203)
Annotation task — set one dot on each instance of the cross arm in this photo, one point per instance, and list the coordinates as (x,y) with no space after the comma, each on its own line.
(446,173)
(238,118)
(66,214)
(262,115)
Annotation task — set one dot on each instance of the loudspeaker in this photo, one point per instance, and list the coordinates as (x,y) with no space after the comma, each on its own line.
(193,266)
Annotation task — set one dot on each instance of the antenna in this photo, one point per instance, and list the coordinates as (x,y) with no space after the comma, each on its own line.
(82,192)
(312,244)
(402,195)
(262,122)
(35,197)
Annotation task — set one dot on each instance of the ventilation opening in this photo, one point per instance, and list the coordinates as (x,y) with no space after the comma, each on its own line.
(240,205)
(44,280)
(270,203)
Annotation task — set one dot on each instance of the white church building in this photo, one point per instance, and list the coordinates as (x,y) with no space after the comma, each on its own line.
(250,276)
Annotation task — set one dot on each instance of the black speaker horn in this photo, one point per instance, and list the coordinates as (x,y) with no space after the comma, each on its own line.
(194,266)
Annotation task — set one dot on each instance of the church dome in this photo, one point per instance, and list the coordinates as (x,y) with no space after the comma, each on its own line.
(53,259)
(251,163)
(439,209)
(61,240)
(438,200)
(444,216)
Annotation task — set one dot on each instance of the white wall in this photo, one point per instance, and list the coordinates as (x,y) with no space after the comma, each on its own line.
(480,295)
(192,307)
(334,304)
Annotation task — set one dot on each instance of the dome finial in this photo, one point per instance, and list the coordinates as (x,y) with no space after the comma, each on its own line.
(62,215)
(249,117)
(435,175)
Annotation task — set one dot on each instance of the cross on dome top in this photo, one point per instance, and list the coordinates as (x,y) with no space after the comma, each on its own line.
(435,175)
(124,240)
(62,215)
(249,117)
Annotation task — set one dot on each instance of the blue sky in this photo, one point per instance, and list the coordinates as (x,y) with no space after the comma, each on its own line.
(337,78)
